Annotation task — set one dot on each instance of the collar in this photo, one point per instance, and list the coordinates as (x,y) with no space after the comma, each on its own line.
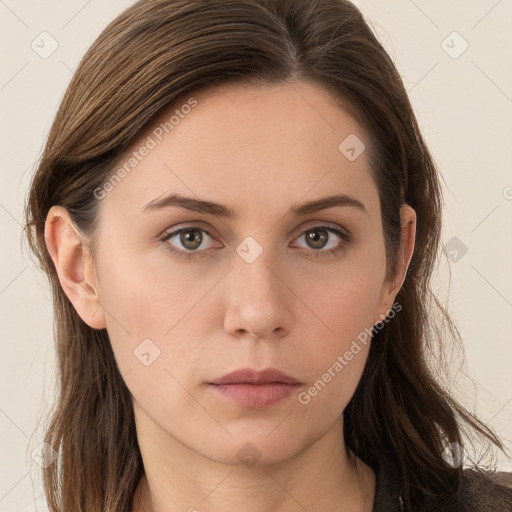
(388,496)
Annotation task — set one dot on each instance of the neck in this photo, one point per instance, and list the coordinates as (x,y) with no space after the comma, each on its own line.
(323,476)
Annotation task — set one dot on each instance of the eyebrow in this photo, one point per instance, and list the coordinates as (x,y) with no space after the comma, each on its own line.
(208,207)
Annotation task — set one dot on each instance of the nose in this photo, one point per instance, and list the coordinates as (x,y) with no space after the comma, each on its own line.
(258,300)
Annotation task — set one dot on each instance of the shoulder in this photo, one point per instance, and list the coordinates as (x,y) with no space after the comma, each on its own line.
(483,491)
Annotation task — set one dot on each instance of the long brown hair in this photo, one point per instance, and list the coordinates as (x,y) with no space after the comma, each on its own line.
(152,55)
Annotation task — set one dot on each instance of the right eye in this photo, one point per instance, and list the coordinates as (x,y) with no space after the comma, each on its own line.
(191,240)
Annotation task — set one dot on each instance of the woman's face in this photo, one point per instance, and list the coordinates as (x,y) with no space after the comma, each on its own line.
(274,284)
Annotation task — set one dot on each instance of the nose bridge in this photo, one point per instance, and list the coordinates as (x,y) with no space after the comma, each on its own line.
(255,265)
(257,300)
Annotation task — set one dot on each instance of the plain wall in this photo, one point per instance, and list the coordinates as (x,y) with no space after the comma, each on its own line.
(464,107)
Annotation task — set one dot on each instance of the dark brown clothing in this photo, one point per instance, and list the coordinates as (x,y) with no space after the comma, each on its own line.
(481,492)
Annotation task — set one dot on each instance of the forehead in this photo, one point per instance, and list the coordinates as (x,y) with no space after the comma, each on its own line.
(249,141)
(276,118)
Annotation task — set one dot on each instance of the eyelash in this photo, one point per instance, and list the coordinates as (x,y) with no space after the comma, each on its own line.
(347,239)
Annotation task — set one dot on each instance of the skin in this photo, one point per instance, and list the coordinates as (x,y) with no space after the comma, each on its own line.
(259,151)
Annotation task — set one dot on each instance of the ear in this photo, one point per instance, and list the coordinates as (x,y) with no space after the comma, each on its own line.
(391,286)
(74,266)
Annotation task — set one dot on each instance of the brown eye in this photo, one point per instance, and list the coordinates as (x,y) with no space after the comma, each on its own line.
(317,237)
(325,240)
(191,238)
(187,241)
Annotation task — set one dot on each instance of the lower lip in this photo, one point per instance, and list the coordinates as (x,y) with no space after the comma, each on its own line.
(254,396)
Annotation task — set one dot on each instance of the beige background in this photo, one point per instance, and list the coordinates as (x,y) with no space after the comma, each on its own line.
(464,106)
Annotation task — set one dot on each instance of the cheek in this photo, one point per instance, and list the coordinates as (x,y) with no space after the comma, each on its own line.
(329,392)
(158,318)
(346,306)
(148,296)
(339,354)
(346,299)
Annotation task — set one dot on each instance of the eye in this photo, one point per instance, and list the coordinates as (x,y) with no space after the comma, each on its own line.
(321,239)
(191,240)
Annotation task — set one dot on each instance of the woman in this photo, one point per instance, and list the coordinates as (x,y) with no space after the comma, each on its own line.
(239,219)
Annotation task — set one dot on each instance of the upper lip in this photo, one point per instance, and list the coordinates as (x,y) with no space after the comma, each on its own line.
(252,376)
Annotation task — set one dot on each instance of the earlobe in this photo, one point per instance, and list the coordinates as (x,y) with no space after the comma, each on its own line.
(391,288)
(72,260)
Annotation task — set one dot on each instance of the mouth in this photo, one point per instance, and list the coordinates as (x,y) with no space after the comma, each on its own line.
(254,389)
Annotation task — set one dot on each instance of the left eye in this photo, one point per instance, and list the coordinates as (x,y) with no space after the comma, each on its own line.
(318,236)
